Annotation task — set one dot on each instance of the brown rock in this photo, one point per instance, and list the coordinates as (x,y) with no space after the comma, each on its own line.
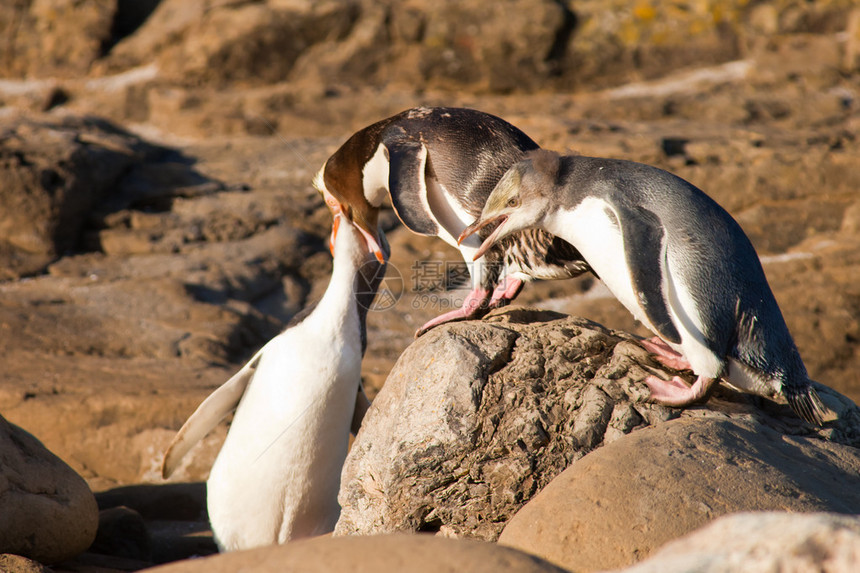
(618,504)
(477,417)
(54,174)
(49,513)
(462,44)
(61,37)
(767,541)
(372,554)
(16,564)
(258,42)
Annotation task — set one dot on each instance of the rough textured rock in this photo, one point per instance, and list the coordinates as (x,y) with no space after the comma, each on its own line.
(467,44)
(475,418)
(681,474)
(49,513)
(55,173)
(255,42)
(16,564)
(61,37)
(371,554)
(753,542)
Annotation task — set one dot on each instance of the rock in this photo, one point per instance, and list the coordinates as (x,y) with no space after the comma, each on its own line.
(175,501)
(414,553)
(254,42)
(55,174)
(767,541)
(49,513)
(174,514)
(477,417)
(462,44)
(60,37)
(16,564)
(621,502)
(122,533)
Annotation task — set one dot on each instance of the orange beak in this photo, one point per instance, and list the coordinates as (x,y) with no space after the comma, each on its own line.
(489,241)
(334,226)
(338,210)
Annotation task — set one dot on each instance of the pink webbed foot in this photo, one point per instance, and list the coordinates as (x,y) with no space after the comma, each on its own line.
(475,306)
(665,354)
(505,292)
(676,392)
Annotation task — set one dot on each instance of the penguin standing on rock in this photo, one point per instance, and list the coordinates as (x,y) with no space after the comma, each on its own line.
(674,258)
(438,166)
(277,475)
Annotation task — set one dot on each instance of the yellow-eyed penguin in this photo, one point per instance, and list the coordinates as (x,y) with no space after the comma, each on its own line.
(277,475)
(674,258)
(438,165)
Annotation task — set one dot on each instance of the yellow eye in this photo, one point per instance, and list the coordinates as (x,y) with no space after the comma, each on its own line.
(513,202)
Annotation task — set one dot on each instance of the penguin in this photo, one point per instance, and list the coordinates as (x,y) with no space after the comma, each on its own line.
(674,258)
(276,477)
(437,166)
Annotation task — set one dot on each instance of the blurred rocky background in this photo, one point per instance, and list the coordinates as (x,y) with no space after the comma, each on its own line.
(157,222)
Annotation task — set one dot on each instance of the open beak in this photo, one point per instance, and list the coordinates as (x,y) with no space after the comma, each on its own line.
(489,241)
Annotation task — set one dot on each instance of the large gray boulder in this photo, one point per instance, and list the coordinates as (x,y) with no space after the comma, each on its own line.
(477,417)
(47,511)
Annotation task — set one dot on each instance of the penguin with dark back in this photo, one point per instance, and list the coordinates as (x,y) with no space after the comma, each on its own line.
(674,258)
(437,166)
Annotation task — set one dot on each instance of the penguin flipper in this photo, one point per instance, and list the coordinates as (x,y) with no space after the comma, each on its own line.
(406,184)
(207,415)
(644,247)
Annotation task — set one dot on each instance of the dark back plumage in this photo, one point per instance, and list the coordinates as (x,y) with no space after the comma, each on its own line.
(467,153)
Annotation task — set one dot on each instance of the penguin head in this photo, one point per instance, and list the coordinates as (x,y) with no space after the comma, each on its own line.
(346,199)
(519,201)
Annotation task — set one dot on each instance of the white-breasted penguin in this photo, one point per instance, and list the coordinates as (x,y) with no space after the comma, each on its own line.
(438,165)
(674,258)
(276,477)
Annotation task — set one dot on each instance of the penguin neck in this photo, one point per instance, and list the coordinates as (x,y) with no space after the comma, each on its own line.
(554,221)
(337,308)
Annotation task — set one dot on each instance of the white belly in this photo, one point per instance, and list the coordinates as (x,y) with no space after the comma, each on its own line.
(596,235)
(278,473)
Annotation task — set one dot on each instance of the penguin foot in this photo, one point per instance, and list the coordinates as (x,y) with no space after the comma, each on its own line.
(475,306)
(505,292)
(676,392)
(665,354)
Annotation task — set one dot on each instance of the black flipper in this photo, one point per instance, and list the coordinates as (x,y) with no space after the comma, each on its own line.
(407,162)
(644,237)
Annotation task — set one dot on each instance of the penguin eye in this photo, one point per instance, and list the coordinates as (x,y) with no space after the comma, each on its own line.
(513,202)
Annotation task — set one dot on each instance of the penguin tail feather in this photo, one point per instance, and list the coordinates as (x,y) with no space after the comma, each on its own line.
(807,404)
